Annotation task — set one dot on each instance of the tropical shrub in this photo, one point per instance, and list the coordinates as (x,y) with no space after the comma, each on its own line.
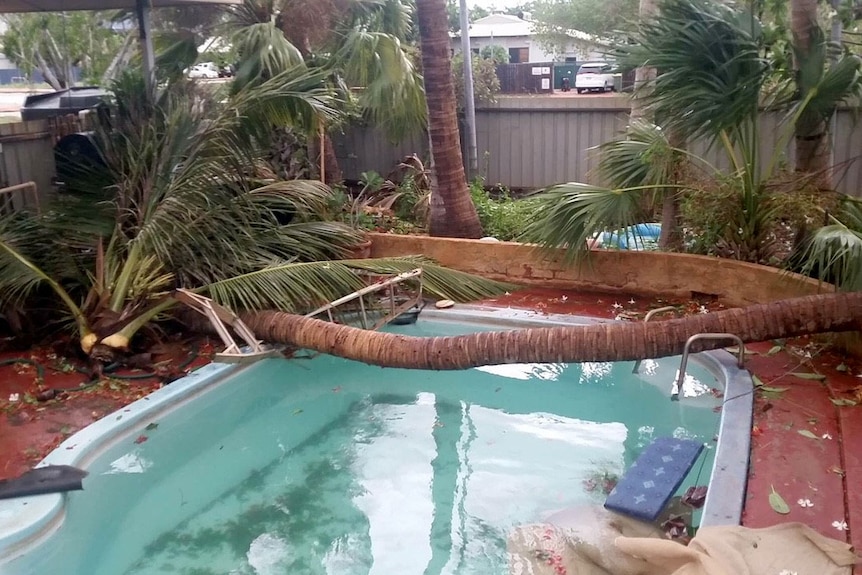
(181,198)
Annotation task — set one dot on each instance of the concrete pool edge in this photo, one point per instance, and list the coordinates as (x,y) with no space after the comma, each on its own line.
(24,522)
(726,494)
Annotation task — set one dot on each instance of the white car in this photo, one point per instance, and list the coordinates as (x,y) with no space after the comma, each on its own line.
(594,76)
(204,70)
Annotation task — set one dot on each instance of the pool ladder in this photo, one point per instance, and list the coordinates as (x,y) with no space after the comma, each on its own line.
(680,377)
(218,316)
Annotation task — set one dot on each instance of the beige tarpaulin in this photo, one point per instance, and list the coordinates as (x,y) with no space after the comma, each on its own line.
(605,544)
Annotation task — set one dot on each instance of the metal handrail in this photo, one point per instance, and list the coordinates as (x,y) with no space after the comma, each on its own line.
(648,317)
(740,361)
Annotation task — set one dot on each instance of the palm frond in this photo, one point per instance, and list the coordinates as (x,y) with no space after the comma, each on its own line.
(643,156)
(263,52)
(19,272)
(570,216)
(300,287)
(711,71)
(437,280)
(834,252)
(391,91)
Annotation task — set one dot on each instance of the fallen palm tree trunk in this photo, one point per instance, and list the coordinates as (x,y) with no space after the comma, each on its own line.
(611,341)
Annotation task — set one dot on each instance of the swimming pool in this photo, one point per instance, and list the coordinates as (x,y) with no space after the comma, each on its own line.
(330,466)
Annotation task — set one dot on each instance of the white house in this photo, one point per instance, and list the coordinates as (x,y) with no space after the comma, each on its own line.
(518,37)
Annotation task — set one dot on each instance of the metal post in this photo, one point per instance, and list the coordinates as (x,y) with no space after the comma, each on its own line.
(142,10)
(469,102)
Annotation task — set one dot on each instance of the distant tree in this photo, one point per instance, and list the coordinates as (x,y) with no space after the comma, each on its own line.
(602,18)
(486,84)
(496,53)
(55,44)
(453,13)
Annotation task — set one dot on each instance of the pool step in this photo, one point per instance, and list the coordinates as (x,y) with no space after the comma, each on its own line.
(647,486)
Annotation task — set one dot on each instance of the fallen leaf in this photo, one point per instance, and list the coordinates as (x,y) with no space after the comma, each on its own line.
(297,411)
(746,350)
(812,376)
(836,470)
(141,439)
(777,502)
(767,389)
(774,349)
(806,433)
(152,426)
(841,402)
(842,368)
(695,497)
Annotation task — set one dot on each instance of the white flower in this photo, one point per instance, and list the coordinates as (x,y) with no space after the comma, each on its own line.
(13,397)
(786,572)
(840,525)
(507,293)
(617,305)
(632,301)
(805,503)
(564,298)
(826,436)
(702,309)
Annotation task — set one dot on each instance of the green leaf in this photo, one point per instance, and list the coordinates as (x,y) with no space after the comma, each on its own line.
(774,349)
(806,433)
(768,389)
(777,502)
(841,402)
(811,376)
(756,380)
(152,426)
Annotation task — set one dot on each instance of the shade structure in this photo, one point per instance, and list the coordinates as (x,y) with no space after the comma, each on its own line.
(141,7)
(12,6)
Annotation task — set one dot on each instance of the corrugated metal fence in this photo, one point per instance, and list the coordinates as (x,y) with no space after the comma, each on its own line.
(27,155)
(533,142)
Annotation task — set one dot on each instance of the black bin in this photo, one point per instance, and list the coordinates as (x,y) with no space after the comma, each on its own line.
(62,103)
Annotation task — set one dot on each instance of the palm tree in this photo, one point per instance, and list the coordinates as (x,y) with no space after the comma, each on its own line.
(452,211)
(711,84)
(360,45)
(612,341)
(179,198)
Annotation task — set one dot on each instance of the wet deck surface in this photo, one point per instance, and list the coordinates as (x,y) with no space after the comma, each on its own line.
(807,433)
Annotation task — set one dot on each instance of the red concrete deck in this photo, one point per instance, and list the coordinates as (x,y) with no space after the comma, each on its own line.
(807,434)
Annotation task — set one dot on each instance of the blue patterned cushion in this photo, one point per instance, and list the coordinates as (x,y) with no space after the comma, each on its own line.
(653,478)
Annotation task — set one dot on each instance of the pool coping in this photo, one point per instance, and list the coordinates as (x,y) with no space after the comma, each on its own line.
(26,522)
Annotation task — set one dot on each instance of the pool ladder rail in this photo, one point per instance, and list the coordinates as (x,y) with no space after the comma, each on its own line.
(411,307)
(680,376)
(219,316)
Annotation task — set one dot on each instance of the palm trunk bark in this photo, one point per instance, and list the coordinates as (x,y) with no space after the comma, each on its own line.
(813,146)
(612,341)
(452,211)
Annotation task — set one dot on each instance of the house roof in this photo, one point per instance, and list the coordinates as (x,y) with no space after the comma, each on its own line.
(507,26)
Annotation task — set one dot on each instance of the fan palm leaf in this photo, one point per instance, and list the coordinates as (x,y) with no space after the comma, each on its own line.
(391,92)
(572,215)
(711,71)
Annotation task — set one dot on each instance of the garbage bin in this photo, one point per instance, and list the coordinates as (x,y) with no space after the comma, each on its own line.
(61,103)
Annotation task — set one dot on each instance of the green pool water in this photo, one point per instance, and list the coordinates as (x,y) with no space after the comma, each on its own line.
(325,466)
